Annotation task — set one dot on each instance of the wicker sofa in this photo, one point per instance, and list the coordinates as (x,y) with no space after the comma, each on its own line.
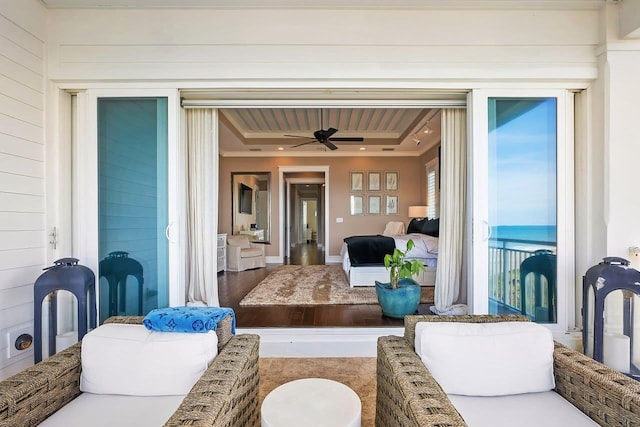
(226,394)
(408,395)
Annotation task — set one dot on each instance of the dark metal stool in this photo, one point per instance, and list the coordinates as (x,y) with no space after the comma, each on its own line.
(64,275)
(610,275)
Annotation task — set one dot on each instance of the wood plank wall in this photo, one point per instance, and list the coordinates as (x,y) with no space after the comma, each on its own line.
(22,169)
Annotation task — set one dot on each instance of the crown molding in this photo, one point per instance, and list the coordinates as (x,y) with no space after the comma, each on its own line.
(325,4)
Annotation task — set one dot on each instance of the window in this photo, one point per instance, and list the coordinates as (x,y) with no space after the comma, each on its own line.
(433,193)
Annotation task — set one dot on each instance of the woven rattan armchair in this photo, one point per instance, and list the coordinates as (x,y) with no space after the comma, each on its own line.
(409,396)
(225,396)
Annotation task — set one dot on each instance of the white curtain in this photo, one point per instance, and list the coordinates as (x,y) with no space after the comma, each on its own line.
(202,206)
(453,176)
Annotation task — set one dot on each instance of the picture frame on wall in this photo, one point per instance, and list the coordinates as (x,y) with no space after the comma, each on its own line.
(391,181)
(391,204)
(357,181)
(356,205)
(375,204)
(374,181)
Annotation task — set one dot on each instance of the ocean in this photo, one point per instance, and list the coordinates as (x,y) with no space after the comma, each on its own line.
(536,233)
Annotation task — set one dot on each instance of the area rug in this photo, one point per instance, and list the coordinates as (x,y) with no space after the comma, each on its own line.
(313,285)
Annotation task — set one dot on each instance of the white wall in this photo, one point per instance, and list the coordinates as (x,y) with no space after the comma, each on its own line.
(272,46)
(22,169)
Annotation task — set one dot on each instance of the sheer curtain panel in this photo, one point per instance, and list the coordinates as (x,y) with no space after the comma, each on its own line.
(202,206)
(453,175)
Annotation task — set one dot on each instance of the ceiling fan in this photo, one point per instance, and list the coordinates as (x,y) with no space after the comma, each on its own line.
(325,137)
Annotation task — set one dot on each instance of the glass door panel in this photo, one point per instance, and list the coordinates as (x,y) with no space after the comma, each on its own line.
(133,250)
(522,207)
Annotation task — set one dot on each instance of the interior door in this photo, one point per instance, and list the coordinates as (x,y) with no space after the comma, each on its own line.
(522,153)
(128,211)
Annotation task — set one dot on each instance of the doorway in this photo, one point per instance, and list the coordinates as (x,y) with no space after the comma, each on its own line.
(305,224)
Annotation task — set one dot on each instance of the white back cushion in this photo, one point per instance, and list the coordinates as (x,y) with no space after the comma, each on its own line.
(487,359)
(131,360)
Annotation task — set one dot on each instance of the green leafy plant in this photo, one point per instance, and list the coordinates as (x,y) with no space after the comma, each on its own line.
(401,268)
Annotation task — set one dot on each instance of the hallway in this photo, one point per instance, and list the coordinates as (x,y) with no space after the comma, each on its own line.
(306,254)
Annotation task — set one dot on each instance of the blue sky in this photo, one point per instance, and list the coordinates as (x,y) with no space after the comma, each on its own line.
(522,163)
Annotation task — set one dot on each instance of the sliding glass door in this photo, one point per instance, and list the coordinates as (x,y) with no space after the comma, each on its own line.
(521,201)
(132,205)
(127,177)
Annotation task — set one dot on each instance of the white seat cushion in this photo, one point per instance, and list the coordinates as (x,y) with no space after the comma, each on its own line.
(250,253)
(131,360)
(546,409)
(487,359)
(108,410)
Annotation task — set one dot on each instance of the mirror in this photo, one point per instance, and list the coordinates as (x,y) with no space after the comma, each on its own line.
(251,205)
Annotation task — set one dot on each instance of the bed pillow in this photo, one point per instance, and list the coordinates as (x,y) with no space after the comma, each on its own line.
(131,360)
(431,227)
(415,225)
(487,359)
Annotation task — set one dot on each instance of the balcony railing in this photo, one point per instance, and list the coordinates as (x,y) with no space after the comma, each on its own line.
(505,257)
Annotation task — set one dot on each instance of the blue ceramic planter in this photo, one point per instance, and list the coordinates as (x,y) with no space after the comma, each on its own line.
(397,303)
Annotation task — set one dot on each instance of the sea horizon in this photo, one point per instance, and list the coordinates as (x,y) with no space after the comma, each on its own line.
(534,233)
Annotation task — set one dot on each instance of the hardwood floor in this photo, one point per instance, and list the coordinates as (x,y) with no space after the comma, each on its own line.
(233,286)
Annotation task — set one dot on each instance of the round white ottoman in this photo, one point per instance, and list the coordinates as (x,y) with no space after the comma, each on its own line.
(311,402)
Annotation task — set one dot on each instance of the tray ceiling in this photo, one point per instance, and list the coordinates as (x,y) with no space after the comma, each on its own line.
(383,129)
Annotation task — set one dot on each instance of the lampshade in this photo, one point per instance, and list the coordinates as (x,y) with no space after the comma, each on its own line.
(417,211)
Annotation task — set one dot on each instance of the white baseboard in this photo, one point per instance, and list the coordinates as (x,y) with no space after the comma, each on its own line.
(333,259)
(273,259)
(319,342)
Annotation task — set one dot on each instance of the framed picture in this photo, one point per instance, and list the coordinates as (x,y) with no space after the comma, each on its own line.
(375,203)
(390,204)
(374,181)
(357,181)
(356,205)
(391,181)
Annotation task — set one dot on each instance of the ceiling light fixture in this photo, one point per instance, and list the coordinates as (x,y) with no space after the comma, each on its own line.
(280,148)
(427,129)
(416,139)
(362,148)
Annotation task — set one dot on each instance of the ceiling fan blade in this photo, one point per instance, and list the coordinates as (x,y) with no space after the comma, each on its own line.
(299,136)
(329,132)
(329,145)
(348,138)
(304,143)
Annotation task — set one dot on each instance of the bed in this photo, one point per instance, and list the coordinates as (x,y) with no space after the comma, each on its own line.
(362,256)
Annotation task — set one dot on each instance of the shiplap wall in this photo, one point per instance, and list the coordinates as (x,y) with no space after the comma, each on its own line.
(22,169)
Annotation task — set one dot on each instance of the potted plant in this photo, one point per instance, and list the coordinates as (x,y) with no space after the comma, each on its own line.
(402,295)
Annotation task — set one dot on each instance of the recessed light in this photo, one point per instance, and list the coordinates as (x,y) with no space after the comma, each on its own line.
(362,148)
(280,148)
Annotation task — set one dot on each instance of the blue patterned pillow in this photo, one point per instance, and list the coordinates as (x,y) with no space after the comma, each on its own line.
(188,319)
